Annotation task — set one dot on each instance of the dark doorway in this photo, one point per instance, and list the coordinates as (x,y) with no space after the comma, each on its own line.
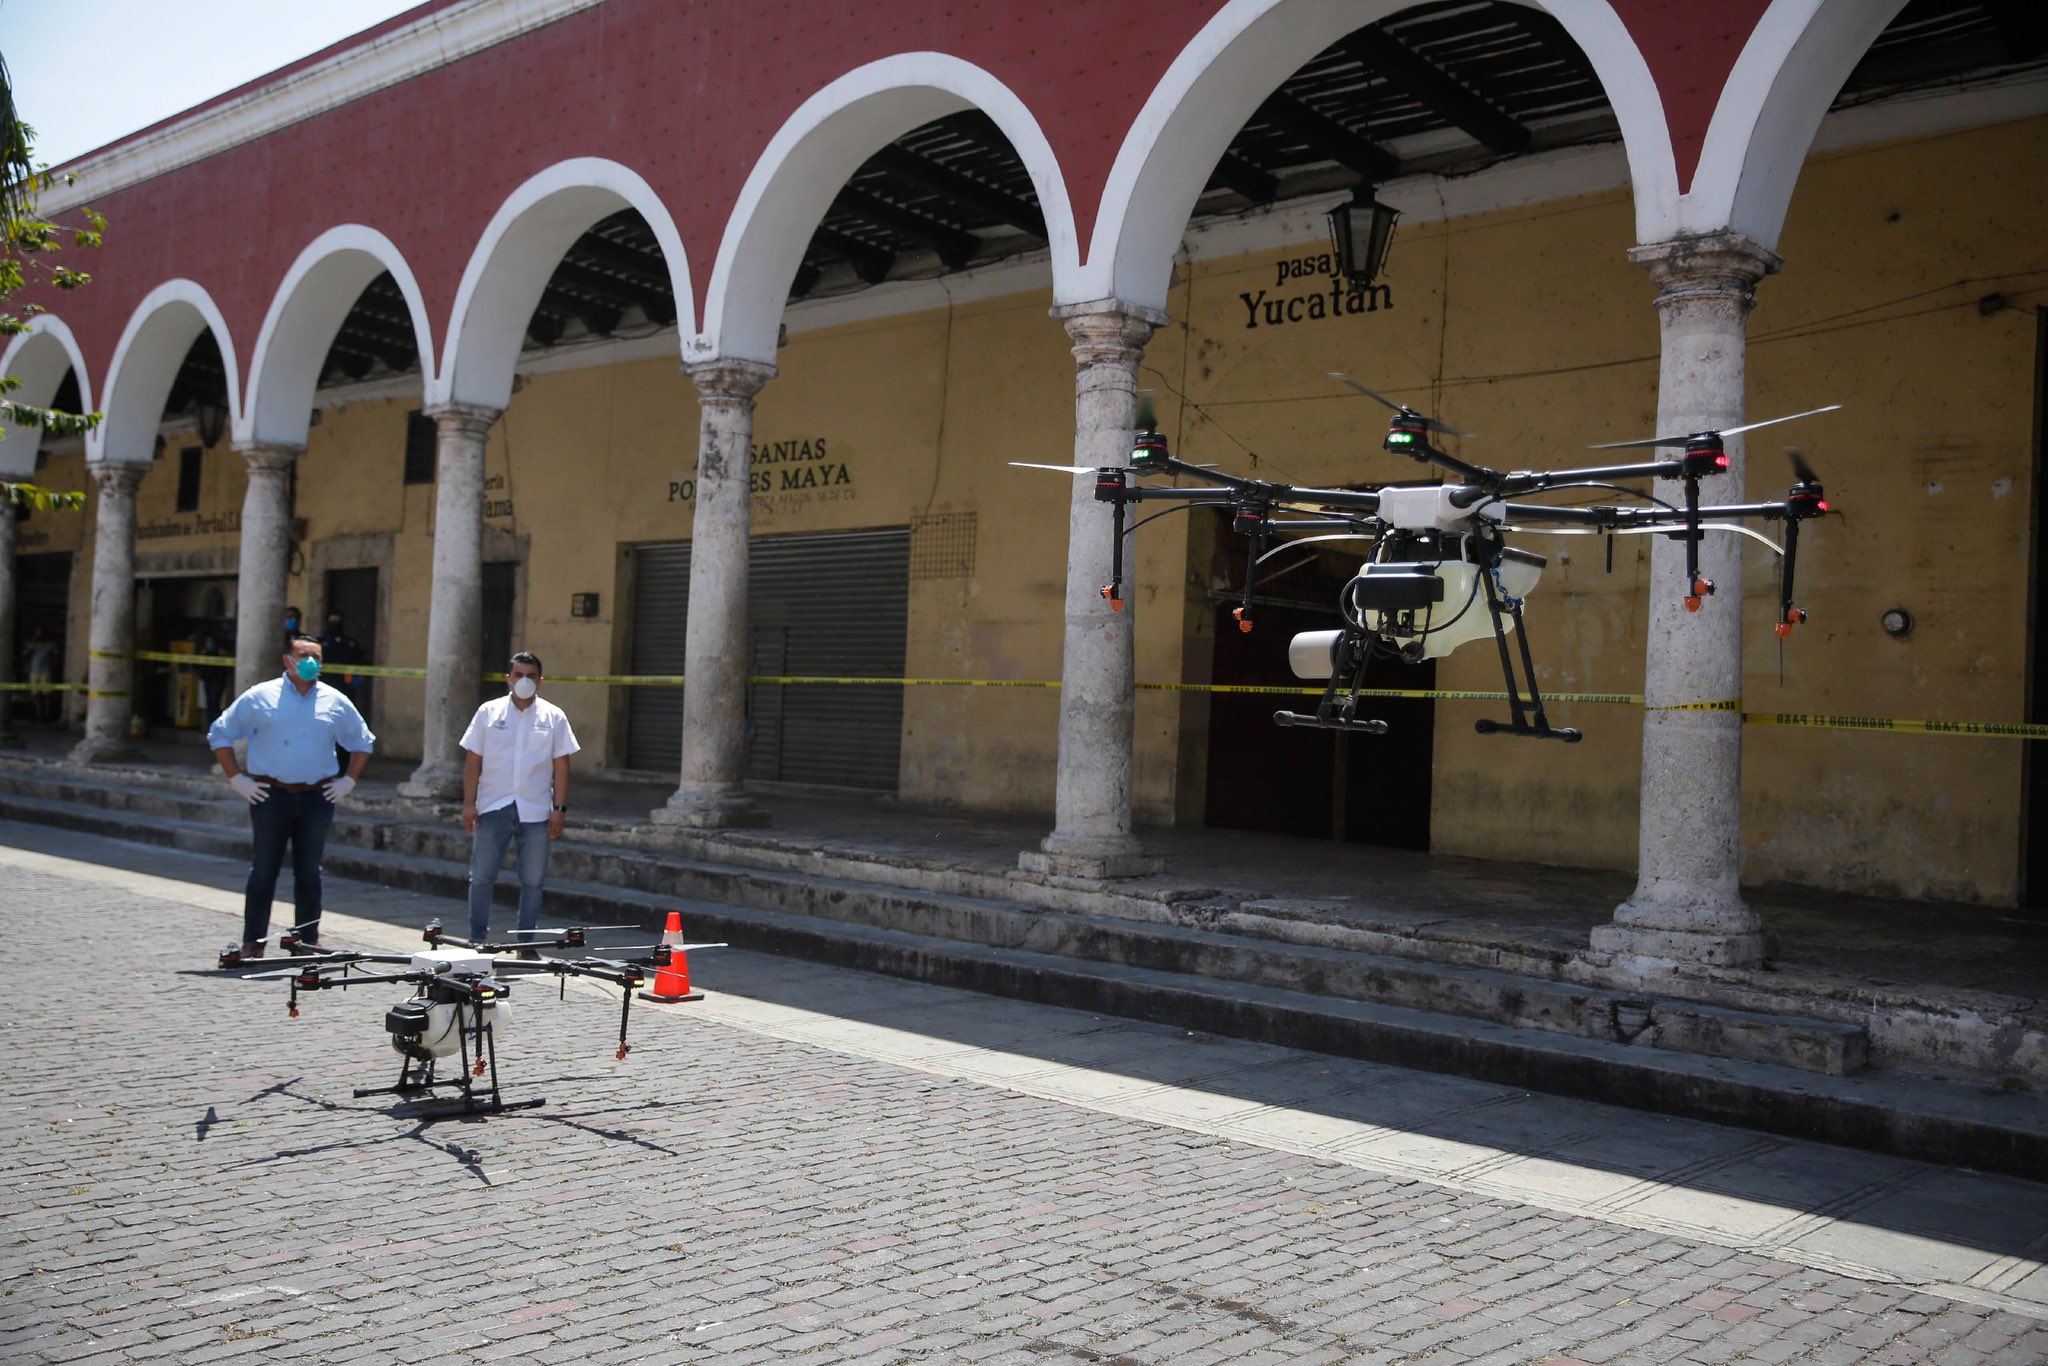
(1364,789)
(2034,756)
(181,616)
(353,593)
(42,586)
(501,582)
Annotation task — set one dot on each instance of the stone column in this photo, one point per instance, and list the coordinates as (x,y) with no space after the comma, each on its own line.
(110,675)
(9,521)
(266,557)
(716,647)
(455,611)
(1091,835)
(1687,905)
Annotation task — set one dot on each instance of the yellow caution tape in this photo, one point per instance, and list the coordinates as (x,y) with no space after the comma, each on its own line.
(1725,704)
(2006,730)
(42,687)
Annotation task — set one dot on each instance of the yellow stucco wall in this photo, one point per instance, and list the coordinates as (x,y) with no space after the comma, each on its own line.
(1527,326)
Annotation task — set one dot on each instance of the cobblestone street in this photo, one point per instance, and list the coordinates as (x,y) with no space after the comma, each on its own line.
(816,1165)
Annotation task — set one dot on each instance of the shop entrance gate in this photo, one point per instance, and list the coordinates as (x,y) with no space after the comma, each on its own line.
(833,605)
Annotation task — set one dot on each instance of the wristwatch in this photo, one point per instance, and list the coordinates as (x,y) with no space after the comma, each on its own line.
(563,809)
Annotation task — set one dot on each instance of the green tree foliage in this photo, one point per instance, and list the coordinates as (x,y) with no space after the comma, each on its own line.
(25,258)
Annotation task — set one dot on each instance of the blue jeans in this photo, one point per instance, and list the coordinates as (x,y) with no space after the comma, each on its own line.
(301,820)
(494,830)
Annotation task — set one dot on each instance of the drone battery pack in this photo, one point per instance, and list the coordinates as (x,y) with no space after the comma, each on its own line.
(407,1019)
(456,962)
(1395,588)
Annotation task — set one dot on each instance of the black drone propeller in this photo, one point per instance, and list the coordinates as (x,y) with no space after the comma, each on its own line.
(1427,423)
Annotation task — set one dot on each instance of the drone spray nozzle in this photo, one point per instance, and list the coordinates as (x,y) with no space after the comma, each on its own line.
(1244,619)
(1113,596)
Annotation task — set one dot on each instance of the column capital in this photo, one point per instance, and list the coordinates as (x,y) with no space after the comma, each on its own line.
(473,418)
(729,379)
(115,476)
(1714,263)
(1108,329)
(268,457)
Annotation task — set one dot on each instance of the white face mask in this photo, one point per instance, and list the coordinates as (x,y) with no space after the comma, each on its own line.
(524,688)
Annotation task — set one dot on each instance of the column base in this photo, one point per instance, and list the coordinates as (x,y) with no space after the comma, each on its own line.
(1706,948)
(102,749)
(710,811)
(1687,921)
(433,783)
(1095,860)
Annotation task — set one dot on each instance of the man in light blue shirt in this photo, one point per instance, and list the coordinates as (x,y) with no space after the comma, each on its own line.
(293,724)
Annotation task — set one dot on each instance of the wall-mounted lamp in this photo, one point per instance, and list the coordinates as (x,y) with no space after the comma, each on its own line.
(1360,229)
(1897,623)
(213,421)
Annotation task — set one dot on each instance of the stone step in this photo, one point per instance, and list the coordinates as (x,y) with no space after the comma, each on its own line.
(435,856)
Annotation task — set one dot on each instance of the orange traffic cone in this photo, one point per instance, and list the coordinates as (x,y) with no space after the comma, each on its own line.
(672,979)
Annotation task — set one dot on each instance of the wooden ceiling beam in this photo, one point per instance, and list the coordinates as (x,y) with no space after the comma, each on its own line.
(951,184)
(1233,172)
(954,246)
(1385,56)
(1327,138)
(870,262)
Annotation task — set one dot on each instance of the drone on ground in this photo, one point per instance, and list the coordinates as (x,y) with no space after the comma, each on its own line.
(458,1009)
(1439,551)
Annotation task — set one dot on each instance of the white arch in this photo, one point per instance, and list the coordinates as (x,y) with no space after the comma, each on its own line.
(305,314)
(1241,56)
(1787,75)
(812,156)
(38,358)
(520,248)
(153,345)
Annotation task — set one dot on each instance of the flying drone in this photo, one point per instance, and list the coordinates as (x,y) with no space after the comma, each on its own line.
(458,1008)
(1439,572)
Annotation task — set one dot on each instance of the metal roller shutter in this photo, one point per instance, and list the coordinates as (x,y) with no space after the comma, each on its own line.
(661,598)
(834,605)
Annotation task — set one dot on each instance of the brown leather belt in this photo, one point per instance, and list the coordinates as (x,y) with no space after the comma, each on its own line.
(291,787)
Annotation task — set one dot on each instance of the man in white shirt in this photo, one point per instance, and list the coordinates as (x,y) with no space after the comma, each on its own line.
(515,788)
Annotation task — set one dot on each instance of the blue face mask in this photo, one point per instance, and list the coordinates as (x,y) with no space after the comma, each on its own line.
(307,668)
(291,623)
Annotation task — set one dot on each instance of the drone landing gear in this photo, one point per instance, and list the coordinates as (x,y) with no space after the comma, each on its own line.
(1338,708)
(1521,712)
(416,1075)
(1364,726)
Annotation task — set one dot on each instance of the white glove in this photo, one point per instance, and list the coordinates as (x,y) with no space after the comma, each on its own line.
(251,790)
(337,788)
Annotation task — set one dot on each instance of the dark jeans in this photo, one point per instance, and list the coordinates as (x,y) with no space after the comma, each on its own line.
(300,819)
(496,829)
